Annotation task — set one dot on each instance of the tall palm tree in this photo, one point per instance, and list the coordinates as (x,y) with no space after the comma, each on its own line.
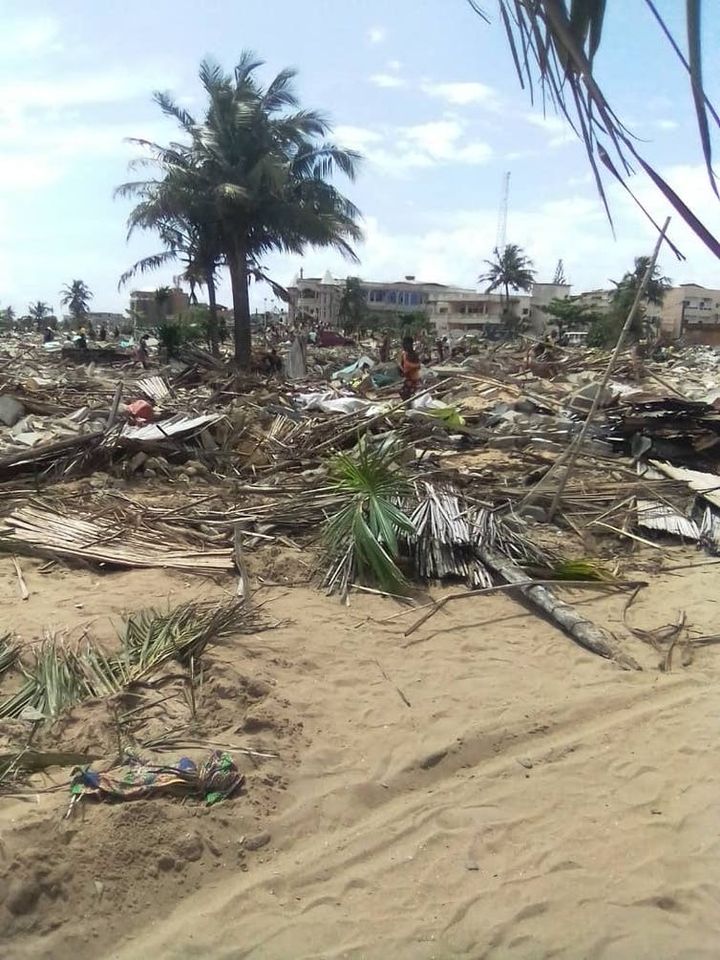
(555,42)
(265,168)
(509,269)
(76,296)
(39,311)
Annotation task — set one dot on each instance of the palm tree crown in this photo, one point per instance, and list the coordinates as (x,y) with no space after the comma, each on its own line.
(258,171)
(510,269)
(655,289)
(76,296)
(39,311)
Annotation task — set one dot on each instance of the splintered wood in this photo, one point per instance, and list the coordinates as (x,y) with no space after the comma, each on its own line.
(104,541)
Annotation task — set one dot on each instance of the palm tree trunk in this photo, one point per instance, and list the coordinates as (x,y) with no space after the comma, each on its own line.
(212,311)
(241,305)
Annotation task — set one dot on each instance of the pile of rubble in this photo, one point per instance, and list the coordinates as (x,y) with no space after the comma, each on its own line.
(191,463)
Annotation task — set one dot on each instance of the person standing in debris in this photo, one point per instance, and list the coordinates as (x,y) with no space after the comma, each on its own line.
(385,348)
(48,336)
(409,364)
(103,333)
(141,354)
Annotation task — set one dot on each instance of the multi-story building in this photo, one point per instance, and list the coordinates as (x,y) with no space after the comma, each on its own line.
(691,313)
(459,312)
(598,300)
(454,310)
(318,300)
(152,306)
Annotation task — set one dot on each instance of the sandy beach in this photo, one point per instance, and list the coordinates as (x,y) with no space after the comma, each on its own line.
(481,789)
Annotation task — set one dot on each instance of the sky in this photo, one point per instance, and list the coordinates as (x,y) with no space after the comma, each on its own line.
(423,88)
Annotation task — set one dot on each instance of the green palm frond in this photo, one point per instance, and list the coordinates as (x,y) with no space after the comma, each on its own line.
(60,677)
(580,570)
(362,537)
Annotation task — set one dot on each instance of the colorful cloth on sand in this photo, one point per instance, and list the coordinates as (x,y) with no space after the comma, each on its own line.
(215,779)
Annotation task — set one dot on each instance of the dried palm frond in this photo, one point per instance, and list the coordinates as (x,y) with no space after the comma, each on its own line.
(362,537)
(443,542)
(182,633)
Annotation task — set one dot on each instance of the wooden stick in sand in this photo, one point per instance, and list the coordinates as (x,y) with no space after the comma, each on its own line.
(24,592)
(569,457)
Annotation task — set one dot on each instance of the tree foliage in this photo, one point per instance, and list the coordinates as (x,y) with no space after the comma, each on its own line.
(39,311)
(510,269)
(569,314)
(606,329)
(76,296)
(262,168)
(353,309)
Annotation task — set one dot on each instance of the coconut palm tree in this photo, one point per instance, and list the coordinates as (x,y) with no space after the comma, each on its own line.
(265,168)
(509,269)
(76,296)
(39,311)
(554,42)
(655,289)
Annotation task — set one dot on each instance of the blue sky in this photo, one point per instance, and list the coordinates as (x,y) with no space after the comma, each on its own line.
(423,88)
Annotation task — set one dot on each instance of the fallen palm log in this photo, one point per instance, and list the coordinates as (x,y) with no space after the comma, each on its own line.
(437,605)
(582,631)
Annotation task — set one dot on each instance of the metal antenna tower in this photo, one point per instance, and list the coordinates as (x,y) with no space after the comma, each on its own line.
(501,234)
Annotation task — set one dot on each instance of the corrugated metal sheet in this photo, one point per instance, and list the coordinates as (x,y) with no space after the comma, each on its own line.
(705,484)
(172,427)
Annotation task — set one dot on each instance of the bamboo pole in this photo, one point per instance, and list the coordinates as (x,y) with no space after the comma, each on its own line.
(570,456)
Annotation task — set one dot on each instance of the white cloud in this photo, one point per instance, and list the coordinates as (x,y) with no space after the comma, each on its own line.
(666,124)
(29,37)
(21,95)
(387,80)
(394,65)
(460,93)
(451,245)
(399,150)
(27,171)
(356,138)
(442,140)
(377,35)
(559,129)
